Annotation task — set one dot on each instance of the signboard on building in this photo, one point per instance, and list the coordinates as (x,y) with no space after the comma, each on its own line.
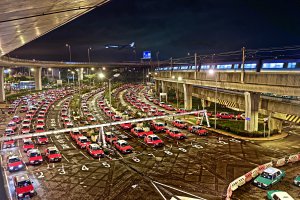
(147,55)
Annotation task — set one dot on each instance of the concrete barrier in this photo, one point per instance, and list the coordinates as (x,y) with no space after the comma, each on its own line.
(258,170)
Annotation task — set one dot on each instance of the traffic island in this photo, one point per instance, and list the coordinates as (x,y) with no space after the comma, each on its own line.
(273,136)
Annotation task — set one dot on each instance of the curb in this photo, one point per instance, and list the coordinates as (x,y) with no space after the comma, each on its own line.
(272,138)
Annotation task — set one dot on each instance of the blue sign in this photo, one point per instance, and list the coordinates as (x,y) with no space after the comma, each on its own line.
(248,118)
(147,55)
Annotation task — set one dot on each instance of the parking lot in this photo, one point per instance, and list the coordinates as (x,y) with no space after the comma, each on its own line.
(199,166)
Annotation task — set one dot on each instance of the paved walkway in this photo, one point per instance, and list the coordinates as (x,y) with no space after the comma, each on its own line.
(273,137)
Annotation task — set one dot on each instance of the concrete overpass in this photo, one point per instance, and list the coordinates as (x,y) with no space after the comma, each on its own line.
(246,96)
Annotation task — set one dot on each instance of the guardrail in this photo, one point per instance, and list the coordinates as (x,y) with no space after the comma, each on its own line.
(240,181)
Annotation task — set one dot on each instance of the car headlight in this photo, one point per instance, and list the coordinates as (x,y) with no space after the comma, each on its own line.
(295,181)
(41,160)
(255,181)
(20,166)
(265,185)
(32,191)
(11,168)
(20,195)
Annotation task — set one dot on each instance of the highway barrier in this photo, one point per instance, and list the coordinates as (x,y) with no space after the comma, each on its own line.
(258,170)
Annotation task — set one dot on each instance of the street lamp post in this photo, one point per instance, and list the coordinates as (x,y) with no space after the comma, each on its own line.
(69,47)
(212,72)
(101,75)
(89,57)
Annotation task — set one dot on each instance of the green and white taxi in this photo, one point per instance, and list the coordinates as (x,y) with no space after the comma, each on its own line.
(269,177)
(278,195)
(297,180)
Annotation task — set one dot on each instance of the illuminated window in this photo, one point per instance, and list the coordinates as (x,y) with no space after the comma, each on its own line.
(193,67)
(291,65)
(184,67)
(250,66)
(204,66)
(224,66)
(272,65)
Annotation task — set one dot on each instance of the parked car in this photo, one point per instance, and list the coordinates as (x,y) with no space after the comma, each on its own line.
(197,130)
(126,126)
(9,143)
(34,156)
(297,180)
(225,115)
(82,142)
(95,150)
(28,144)
(176,134)
(23,187)
(110,137)
(278,195)
(14,163)
(179,124)
(153,140)
(269,177)
(53,154)
(41,139)
(123,146)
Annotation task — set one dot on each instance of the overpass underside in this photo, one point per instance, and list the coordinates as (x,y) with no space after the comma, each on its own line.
(252,103)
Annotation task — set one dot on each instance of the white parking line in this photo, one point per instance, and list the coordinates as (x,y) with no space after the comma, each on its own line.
(20,153)
(84,155)
(73,145)
(67,138)
(51,139)
(65,157)
(7,185)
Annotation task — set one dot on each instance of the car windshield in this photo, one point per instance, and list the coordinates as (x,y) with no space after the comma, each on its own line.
(123,144)
(39,128)
(155,138)
(140,130)
(160,125)
(83,140)
(42,136)
(24,183)
(96,148)
(28,142)
(266,175)
(35,154)
(12,160)
(176,132)
(110,136)
(53,152)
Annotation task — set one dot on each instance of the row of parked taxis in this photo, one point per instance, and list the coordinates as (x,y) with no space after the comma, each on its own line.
(35,108)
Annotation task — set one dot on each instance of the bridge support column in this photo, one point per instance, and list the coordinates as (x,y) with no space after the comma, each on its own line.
(80,74)
(251,111)
(205,103)
(274,124)
(38,78)
(2,91)
(188,89)
(164,87)
(157,87)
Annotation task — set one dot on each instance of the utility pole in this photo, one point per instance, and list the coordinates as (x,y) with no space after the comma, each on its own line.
(243,65)
(195,66)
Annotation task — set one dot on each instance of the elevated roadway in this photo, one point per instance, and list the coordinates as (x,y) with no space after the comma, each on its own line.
(243,95)
(279,82)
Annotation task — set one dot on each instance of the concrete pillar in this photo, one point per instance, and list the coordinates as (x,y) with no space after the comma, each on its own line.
(187,89)
(38,78)
(251,111)
(164,87)
(2,91)
(80,74)
(274,124)
(205,103)
(157,87)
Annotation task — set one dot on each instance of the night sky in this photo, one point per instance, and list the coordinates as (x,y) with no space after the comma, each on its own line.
(172,27)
